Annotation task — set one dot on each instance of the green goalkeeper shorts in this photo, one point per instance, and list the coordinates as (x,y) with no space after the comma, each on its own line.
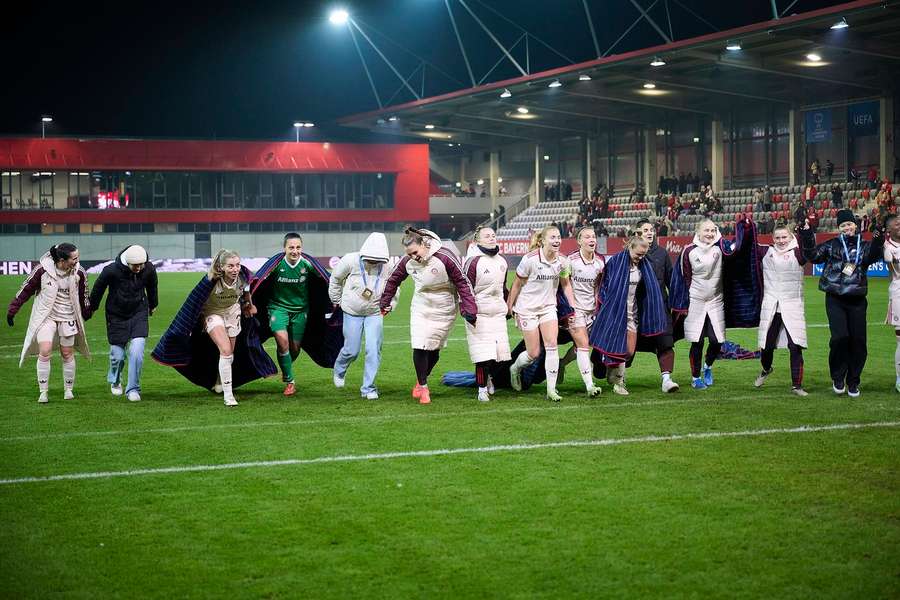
(294,323)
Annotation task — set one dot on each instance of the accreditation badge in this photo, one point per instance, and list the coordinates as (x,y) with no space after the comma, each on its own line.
(366,294)
(848,269)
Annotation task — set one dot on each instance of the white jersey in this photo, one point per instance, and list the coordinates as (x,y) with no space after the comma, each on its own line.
(62,310)
(585,280)
(538,295)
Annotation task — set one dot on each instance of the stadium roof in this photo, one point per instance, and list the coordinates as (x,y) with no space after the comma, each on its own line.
(700,79)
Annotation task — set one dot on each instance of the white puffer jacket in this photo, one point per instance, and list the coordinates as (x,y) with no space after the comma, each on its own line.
(42,283)
(347,284)
(488,339)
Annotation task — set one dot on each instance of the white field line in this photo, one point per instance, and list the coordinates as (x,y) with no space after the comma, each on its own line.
(542,408)
(343,458)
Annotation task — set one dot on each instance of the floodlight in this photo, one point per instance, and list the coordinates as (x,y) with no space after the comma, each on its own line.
(733,45)
(339,16)
(522,110)
(813,57)
(696,140)
(657,62)
(47,119)
(584,77)
(480,182)
(546,157)
(649,86)
(554,84)
(499,180)
(842,24)
(298,124)
(392,119)
(506,93)
(308,124)
(429,126)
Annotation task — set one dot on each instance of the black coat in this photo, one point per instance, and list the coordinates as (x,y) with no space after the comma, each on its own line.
(132,296)
(830,254)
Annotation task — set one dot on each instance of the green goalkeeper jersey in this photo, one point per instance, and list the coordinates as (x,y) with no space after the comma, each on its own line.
(290,290)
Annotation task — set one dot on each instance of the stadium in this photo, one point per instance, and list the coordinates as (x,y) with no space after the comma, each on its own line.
(410,465)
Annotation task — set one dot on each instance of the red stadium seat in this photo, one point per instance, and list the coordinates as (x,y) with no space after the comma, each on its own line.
(826,203)
(832,212)
(820,213)
(854,203)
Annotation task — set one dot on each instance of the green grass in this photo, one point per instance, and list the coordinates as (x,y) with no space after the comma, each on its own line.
(778,515)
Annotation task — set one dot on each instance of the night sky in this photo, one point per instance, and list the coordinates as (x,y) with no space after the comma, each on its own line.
(248,70)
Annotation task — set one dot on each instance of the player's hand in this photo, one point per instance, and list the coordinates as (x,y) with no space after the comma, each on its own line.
(10,320)
(385,310)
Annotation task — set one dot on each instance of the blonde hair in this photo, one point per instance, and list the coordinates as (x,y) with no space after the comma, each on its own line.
(217,267)
(581,230)
(537,240)
(636,240)
(704,222)
(479,229)
(411,236)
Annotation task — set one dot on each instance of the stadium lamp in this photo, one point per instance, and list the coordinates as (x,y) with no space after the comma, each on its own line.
(842,24)
(308,124)
(554,84)
(657,62)
(522,110)
(506,93)
(733,45)
(584,77)
(546,157)
(392,118)
(649,86)
(339,16)
(813,57)
(44,121)
(480,182)
(429,126)
(499,180)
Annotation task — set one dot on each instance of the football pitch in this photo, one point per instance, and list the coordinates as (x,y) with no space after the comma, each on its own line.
(728,492)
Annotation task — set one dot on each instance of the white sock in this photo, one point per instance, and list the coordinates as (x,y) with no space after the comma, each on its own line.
(43,373)
(551,366)
(583,356)
(225,374)
(705,366)
(69,373)
(482,390)
(897,357)
(666,377)
(522,361)
(569,357)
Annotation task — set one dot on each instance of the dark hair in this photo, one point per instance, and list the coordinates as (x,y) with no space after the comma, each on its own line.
(411,235)
(888,219)
(62,251)
(291,236)
(641,223)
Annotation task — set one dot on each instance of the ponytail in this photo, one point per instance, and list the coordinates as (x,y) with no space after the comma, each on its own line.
(62,251)
(537,240)
(411,236)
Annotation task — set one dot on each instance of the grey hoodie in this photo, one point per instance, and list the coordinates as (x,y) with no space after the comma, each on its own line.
(347,284)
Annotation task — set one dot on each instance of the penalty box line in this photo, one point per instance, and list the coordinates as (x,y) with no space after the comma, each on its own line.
(345,458)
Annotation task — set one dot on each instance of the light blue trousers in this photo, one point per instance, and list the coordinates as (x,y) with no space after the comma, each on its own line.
(135,364)
(354,327)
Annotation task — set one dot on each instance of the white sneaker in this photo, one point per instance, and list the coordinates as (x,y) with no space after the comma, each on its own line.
(484,396)
(68,395)
(218,388)
(134,396)
(490,385)
(799,392)
(553,396)
(338,381)
(761,378)
(897,384)
(669,386)
(593,390)
(230,401)
(116,389)
(371,395)
(515,378)
(620,389)
(43,398)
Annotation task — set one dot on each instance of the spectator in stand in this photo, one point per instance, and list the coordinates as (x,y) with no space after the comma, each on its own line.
(767,225)
(829,169)
(809,193)
(837,196)
(661,185)
(758,200)
(665,227)
(804,212)
(853,177)
(600,229)
(501,215)
(873,177)
(682,183)
(707,177)
(660,203)
(814,171)
(689,182)
(768,198)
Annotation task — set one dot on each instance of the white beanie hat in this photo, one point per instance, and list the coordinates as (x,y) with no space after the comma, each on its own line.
(134,255)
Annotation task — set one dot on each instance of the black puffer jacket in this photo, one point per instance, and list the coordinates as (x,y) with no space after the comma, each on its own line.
(130,294)
(662,267)
(830,254)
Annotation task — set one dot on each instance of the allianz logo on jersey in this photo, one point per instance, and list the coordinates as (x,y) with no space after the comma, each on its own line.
(876,269)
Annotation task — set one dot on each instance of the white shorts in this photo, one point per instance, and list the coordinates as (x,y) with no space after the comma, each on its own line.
(231,321)
(582,318)
(66,330)
(532,322)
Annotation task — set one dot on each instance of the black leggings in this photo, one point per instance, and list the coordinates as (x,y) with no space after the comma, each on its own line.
(768,352)
(483,371)
(847,322)
(424,361)
(712,351)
